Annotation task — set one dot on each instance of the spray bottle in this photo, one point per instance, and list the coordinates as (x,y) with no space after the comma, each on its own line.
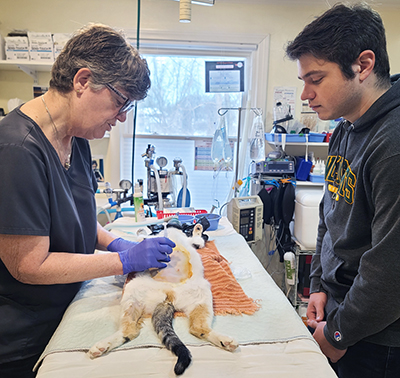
(139,204)
(290,267)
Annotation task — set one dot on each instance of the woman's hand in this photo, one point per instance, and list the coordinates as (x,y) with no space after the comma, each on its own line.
(119,244)
(150,253)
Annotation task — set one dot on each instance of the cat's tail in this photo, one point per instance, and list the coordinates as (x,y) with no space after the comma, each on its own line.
(162,319)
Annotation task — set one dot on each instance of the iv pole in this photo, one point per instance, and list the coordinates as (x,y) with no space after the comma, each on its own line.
(223,111)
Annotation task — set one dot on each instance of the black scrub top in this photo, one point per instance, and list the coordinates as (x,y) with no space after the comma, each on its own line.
(38,196)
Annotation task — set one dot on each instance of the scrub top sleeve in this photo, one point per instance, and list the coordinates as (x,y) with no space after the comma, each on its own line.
(23,192)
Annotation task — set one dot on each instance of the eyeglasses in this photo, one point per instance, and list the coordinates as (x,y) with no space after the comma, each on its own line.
(127,105)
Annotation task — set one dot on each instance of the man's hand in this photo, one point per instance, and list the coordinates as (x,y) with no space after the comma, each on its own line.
(326,347)
(315,309)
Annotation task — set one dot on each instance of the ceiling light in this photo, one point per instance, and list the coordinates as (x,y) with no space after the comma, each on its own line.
(203,2)
(185,11)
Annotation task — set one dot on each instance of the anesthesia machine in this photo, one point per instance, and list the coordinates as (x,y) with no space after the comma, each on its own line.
(165,188)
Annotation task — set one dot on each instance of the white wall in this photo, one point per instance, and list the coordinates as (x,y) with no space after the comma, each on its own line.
(282,23)
(225,18)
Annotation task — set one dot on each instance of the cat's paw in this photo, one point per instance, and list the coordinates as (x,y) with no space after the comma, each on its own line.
(98,350)
(228,343)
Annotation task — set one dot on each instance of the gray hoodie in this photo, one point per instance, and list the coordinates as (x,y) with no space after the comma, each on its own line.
(357,259)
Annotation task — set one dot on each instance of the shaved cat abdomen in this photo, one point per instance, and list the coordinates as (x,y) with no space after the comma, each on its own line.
(178,270)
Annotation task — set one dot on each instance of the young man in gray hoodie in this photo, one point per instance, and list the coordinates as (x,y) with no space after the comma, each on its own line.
(354,305)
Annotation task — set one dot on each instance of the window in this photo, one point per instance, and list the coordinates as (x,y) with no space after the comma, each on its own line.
(177,104)
(178,116)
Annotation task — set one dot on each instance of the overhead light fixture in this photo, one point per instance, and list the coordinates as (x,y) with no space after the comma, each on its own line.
(202,2)
(185,8)
(185,11)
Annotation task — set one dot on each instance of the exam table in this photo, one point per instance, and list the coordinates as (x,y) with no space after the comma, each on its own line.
(273,342)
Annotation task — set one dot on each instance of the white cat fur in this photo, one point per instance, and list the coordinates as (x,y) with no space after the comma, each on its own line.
(142,294)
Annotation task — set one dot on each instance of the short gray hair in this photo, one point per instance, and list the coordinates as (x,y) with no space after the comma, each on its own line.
(109,57)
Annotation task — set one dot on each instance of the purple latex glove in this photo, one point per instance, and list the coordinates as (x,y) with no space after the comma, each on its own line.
(150,253)
(119,244)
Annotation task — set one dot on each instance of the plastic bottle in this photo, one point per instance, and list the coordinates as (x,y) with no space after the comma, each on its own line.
(257,147)
(139,204)
(290,267)
(319,168)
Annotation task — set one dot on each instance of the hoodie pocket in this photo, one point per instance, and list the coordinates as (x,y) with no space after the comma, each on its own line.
(332,277)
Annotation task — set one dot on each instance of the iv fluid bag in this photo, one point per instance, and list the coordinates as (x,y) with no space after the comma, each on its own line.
(221,150)
(257,149)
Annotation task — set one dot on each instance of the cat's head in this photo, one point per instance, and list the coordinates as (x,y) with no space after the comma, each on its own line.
(197,239)
(193,231)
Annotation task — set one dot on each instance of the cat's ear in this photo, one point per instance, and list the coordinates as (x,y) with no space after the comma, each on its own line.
(197,230)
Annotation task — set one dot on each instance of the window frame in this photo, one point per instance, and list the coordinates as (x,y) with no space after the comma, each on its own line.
(255,48)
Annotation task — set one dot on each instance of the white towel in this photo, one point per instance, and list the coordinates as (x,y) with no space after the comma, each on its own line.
(94,313)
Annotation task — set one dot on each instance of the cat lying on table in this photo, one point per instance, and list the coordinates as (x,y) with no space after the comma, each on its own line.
(180,286)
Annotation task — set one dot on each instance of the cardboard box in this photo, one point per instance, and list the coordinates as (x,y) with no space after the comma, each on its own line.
(17,43)
(41,47)
(42,56)
(17,48)
(59,40)
(17,55)
(306,217)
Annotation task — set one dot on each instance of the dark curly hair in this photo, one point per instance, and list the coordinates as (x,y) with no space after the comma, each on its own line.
(340,35)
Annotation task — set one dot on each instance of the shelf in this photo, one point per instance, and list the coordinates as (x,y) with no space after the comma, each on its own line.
(310,183)
(33,65)
(29,67)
